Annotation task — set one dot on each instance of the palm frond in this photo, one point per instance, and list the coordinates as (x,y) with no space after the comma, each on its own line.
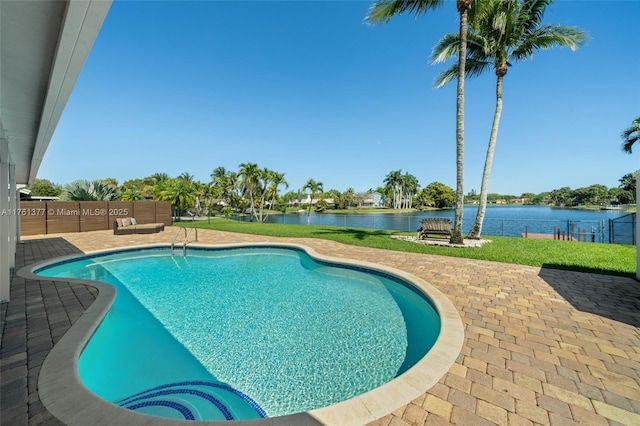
(548,37)
(446,48)
(383,10)
(630,136)
(473,68)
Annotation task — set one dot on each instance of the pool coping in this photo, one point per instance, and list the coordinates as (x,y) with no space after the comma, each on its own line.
(63,394)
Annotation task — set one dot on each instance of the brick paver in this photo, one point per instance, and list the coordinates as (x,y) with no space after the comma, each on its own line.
(542,346)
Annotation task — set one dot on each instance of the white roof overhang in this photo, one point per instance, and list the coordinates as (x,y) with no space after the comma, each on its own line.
(43,47)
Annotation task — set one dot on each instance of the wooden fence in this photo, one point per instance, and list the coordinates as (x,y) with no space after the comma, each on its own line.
(52,217)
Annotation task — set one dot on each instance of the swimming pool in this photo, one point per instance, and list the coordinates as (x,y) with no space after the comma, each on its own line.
(378,356)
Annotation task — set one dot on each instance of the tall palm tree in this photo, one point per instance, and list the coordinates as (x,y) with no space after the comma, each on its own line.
(314,188)
(264,180)
(501,32)
(631,135)
(393,181)
(383,11)
(409,187)
(277,179)
(250,174)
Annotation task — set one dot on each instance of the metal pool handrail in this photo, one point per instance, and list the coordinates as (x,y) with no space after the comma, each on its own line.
(187,233)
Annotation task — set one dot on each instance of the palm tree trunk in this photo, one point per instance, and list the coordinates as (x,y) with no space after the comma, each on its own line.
(476,229)
(456,233)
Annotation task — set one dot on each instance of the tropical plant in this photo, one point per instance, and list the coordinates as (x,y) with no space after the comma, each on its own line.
(314,189)
(265,177)
(159,177)
(393,183)
(113,182)
(187,177)
(179,192)
(409,188)
(383,11)
(625,193)
(501,32)
(348,198)
(83,190)
(131,195)
(277,179)
(631,135)
(561,196)
(250,174)
(438,195)
(45,188)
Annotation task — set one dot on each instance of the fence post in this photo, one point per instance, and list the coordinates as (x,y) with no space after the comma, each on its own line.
(526,231)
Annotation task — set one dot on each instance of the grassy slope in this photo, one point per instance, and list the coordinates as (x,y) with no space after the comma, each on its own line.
(613,259)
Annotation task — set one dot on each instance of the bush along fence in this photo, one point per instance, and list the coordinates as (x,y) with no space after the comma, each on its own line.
(53,217)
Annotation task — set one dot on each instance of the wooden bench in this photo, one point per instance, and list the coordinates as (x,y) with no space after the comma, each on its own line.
(434,226)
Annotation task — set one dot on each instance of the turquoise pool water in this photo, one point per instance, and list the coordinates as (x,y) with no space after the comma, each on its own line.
(244,333)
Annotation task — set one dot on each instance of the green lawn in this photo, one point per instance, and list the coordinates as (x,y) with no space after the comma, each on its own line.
(612,259)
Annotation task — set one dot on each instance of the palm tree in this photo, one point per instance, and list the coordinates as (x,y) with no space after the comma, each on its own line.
(631,135)
(187,177)
(393,181)
(383,11)
(628,182)
(314,188)
(159,177)
(348,198)
(277,179)
(501,32)
(179,193)
(409,187)
(264,180)
(250,180)
(132,195)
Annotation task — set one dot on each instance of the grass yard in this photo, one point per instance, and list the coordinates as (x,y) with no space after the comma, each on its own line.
(611,259)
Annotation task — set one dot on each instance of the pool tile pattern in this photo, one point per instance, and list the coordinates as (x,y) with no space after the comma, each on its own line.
(542,346)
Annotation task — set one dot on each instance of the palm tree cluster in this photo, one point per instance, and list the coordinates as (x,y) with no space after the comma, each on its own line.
(493,34)
(251,187)
(403,187)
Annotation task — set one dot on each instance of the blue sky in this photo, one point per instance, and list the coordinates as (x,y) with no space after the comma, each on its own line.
(308,89)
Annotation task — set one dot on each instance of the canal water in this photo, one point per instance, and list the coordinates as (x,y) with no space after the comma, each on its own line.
(499,220)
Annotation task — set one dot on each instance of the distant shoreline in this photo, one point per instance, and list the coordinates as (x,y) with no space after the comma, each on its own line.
(386,210)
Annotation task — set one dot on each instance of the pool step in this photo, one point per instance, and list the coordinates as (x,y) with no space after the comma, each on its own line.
(194,400)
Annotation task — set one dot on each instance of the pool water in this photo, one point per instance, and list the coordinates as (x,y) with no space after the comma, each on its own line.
(244,333)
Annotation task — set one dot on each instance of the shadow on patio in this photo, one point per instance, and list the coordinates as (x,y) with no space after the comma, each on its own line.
(616,298)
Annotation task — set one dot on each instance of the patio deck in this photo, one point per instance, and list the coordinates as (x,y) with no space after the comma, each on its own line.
(542,346)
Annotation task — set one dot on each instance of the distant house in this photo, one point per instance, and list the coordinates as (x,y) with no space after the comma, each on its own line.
(329,201)
(373,199)
(519,200)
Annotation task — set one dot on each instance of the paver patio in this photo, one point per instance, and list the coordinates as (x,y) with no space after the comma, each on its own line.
(542,346)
